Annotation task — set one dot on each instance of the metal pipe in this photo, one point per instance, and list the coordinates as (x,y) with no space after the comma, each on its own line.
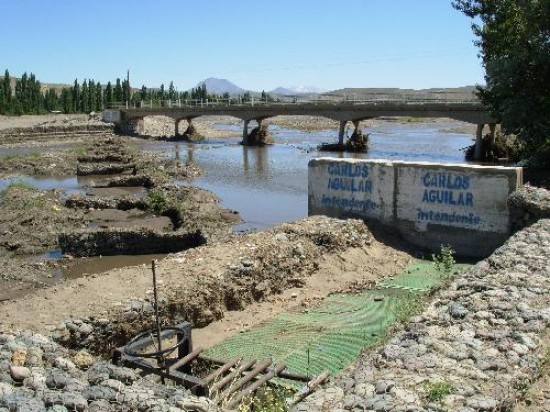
(224,368)
(250,389)
(241,382)
(157,320)
(309,388)
(186,359)
(284,374)
(217,386)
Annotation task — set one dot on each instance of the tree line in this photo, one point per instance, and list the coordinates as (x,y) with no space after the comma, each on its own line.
(28,96)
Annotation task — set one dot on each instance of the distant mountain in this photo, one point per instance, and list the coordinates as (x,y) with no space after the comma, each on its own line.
(294,90)
(221,86)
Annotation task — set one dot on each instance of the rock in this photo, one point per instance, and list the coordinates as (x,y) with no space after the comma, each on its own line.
(83,359)
(18,357)
(382,387)
(19,373)
(482,403)
(71,400)
(64,364)
(56,379)
(99,406)
(457,310)
(34,357)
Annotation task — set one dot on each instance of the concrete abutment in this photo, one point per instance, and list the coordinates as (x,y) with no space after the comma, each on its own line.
(430,204)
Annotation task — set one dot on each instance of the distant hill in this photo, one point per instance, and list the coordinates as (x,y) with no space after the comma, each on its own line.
(297,90)
(453,93)
(221,86)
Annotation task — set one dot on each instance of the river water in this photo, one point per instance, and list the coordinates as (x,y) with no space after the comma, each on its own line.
(269,185)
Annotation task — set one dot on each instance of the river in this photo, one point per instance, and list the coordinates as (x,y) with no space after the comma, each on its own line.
(269,185)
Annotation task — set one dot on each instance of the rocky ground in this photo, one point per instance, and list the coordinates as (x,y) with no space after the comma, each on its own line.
(248,278)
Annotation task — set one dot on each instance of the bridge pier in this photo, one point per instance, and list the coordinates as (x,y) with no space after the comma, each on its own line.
(245,130)
(356,129)
(479,141)
(478,148)
(342,131)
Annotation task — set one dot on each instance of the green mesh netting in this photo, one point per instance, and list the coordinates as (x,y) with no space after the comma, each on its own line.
(331,335)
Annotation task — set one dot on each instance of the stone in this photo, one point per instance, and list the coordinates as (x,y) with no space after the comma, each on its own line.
(64,364)
(482,403)
(19,373)
(71,400)
(100,406)
(85,329)
(34,357)
(56,379)
(383,386)
(457,310)
(83,359)
(364,390)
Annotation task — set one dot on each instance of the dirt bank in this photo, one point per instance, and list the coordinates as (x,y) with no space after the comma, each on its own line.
(291,264)
(128,205)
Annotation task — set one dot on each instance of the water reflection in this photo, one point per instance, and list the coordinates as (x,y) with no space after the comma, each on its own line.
(255,161)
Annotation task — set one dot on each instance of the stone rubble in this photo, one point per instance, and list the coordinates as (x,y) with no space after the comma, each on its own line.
(38,375)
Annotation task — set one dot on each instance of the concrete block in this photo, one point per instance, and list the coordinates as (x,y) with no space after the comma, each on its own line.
(461,205)
(430,204)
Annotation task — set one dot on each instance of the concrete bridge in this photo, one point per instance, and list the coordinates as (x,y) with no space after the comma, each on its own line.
(344,112)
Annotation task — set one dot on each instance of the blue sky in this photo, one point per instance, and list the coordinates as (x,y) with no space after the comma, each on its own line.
(257,44)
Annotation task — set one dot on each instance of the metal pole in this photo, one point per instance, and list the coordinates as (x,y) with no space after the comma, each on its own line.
(157,320)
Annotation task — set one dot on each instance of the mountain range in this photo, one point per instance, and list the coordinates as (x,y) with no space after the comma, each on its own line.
(221,86)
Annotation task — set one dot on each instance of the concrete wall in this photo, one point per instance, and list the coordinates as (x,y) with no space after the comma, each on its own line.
(430,204)
(111,116)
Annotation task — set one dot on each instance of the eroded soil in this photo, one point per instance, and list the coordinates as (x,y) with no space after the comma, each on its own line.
(126,192)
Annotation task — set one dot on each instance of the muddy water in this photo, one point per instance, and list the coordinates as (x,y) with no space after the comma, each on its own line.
(268,185)
(100,264)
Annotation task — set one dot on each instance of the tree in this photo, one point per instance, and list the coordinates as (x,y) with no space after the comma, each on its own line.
(75,96)
(84,100)
(109,95)
(171,91)
(119,94)
(98,97)
(514,41)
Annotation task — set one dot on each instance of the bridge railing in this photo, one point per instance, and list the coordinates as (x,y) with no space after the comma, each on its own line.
(198,103)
